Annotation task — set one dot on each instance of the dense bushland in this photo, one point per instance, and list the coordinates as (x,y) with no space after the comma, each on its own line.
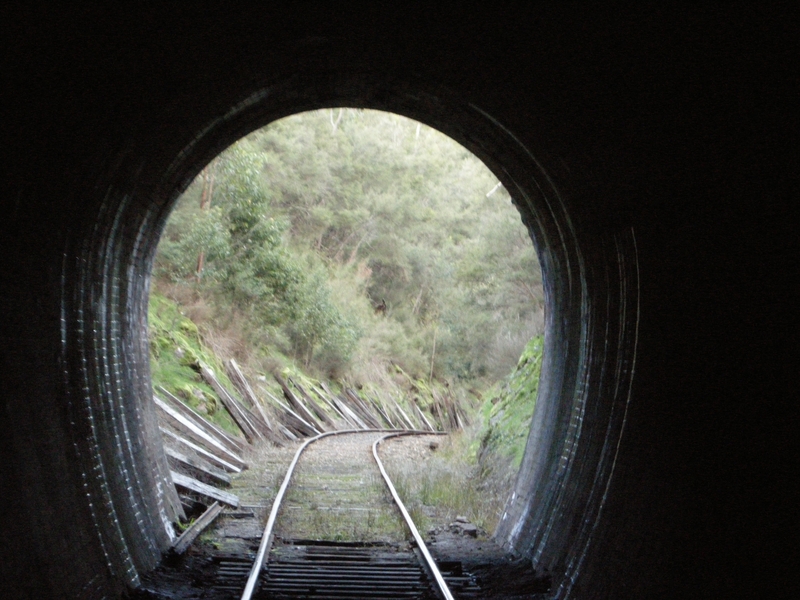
(352,241)
(365,250)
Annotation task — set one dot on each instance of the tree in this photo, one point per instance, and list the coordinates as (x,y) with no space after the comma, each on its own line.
(382,209)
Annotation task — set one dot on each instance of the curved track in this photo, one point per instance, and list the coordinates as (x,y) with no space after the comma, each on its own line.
(336,569)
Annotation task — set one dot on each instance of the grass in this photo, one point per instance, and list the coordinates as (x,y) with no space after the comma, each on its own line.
(472,472)
(336,524)
(176,347)
(448,485)
(341,508)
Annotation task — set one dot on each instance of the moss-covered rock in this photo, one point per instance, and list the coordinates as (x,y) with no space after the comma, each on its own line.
(508,407)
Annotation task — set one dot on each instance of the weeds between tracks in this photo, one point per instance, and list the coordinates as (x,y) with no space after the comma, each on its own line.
(438,484)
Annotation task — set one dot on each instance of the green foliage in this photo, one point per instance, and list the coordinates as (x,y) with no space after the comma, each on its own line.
(507,411)
(318,323)
(187,236)
(450,482)
(368,250)
(243,195)
(315,220)
(175,350)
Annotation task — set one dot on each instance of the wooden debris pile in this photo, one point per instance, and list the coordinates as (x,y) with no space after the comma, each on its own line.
(202,455)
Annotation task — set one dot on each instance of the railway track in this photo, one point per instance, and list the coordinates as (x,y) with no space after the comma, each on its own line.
(338,529)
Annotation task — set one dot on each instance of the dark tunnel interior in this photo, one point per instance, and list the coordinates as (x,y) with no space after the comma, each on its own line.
(652,155)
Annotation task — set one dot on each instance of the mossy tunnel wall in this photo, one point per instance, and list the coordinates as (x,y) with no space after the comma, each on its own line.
(631,146)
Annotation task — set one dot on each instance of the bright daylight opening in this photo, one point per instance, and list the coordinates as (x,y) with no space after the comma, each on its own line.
(348,269)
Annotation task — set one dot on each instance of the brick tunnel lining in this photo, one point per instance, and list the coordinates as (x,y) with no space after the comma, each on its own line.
(104,352)
(570,446)
(100,173)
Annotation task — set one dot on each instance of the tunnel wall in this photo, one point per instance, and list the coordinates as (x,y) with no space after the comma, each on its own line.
(642,151)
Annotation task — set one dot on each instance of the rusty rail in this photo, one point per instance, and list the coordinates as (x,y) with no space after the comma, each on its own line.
(430,563)
(266,539)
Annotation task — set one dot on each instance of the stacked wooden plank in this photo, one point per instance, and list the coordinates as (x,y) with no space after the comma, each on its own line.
(450,415)
(202,455)
(292,423)
(195,433)
(358,406)
(237,443)
(260,416)
(252,426)
(194,463)
(299,407)
(203,489)
(187,537)
(318,411)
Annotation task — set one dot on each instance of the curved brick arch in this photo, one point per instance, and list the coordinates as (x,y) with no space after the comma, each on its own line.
(616,139)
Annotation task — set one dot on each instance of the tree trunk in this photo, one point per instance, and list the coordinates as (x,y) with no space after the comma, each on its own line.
(433,353)
(205,203)
(335,124)
(354,253)
(415,308)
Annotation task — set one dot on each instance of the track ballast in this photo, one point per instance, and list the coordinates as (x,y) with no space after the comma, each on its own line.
(335,531)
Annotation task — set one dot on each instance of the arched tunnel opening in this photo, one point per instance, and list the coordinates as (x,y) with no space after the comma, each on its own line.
(311,124)
(589,348)
(620,152)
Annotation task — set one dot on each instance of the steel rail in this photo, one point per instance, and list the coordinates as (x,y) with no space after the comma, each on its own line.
(430,563)
(266,539)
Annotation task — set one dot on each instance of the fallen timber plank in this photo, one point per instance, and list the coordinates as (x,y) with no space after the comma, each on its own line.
(198,434)
(350,414)
(191,484)
(325,398)
(287,433)
(342,406)
(187,537)
(441,405)
(258,428)
(291,419)
(234,408)
(331,401)
(297,405)
(235,444)
(255,420)
(449,406)
(421,414)
(198,464)
(241,383)
(404,416)
(306,428)
(357,404)
(383,414)
(240,418)
(294,421)
(398,415)
(213,458)
(312,404)
(172,500)
(249,422)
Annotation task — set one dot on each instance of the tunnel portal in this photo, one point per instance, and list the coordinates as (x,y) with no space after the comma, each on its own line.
(607,133)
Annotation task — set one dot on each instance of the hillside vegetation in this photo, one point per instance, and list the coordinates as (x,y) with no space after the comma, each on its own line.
(357,249)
